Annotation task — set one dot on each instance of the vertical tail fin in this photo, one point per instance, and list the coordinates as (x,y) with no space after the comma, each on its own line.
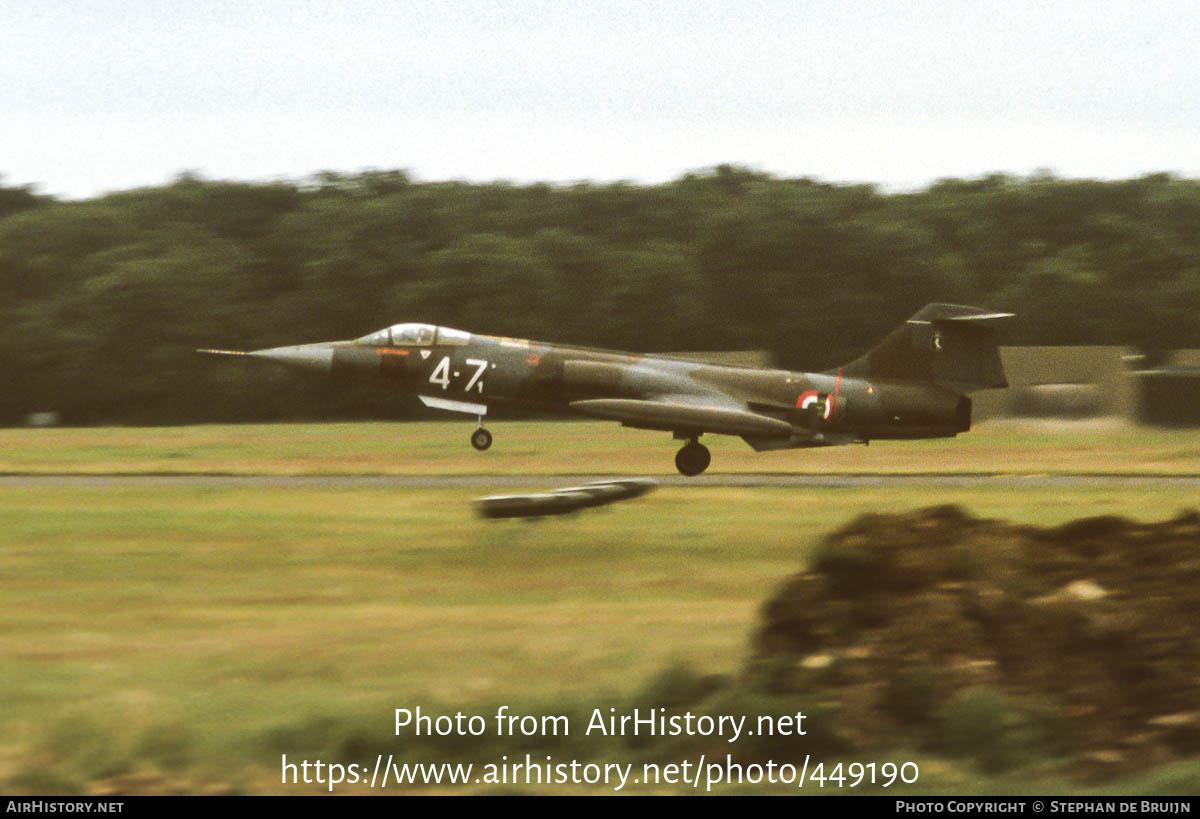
(946,344)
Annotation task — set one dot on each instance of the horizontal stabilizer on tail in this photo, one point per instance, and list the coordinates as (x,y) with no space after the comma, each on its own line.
(951,345)
(960,313)
(977,318)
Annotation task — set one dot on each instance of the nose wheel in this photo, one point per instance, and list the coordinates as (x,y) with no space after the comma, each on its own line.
(481,439)
(693,459)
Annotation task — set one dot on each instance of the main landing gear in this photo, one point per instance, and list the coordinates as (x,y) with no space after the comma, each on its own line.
(693,459)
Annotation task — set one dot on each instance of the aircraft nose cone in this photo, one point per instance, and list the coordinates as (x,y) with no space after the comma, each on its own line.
(305,356)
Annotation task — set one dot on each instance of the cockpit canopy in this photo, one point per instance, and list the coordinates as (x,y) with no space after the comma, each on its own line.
(415,335)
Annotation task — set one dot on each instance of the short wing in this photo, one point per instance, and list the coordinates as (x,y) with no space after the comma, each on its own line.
(684,414)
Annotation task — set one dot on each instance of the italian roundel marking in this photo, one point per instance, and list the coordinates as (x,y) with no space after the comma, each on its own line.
(807,399)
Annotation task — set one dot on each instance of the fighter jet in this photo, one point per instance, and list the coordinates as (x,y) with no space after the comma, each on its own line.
(913,384)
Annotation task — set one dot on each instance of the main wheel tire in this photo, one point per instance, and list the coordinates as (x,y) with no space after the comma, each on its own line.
(481,439)
(693,459)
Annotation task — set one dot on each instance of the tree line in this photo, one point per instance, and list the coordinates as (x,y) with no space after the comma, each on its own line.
(103,300)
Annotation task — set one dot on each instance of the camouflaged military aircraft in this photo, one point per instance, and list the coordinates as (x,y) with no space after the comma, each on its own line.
(914,384)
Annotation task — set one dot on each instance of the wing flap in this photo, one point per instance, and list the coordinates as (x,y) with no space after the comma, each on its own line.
(676,417)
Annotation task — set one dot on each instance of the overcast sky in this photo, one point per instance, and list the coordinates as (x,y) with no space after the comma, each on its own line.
(100,96)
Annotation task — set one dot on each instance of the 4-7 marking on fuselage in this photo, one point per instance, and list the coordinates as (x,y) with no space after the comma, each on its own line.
(441,373)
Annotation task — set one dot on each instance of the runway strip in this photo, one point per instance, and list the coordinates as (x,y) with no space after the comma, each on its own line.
(794,481)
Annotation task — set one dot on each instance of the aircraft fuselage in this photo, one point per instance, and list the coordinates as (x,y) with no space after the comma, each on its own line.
(911,386)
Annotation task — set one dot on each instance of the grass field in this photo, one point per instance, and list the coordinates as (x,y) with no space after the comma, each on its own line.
(555,448)
(184,637)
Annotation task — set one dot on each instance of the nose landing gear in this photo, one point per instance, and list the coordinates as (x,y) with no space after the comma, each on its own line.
(481,439)
(693,459)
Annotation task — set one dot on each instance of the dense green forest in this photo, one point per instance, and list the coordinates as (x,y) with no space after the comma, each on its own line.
(103,301)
